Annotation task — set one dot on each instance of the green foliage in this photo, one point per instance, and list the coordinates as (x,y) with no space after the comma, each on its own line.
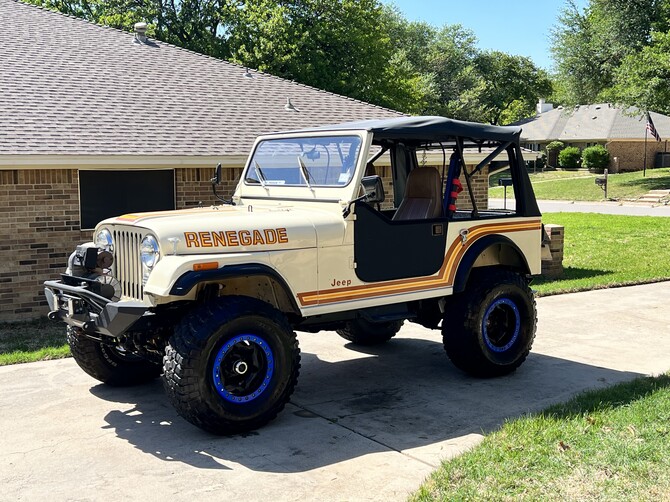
(595,157)
(569,157)
(507,79)
(555,145)
(594,48)
(642,78)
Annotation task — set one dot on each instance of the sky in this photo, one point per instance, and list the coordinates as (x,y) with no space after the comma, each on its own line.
(519,27)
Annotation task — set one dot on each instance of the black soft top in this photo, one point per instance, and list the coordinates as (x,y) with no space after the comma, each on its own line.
(427,129)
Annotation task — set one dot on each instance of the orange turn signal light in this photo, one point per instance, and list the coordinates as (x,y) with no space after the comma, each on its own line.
(209,265)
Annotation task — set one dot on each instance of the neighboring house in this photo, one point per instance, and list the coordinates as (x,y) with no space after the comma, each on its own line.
(621,131)
(96,122)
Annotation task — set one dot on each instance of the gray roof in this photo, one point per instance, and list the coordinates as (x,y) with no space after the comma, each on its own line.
(68,86)
(598,122)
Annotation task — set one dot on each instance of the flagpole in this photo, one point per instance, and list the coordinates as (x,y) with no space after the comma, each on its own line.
(644,169)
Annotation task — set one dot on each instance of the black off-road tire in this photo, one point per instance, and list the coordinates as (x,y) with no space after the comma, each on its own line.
(488,330)
(210,348)
(363,332)
(108,364)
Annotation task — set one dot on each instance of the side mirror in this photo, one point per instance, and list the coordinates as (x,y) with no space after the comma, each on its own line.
(217,175)
(374,189)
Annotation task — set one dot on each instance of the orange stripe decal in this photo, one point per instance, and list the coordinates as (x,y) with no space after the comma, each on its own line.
(442,279)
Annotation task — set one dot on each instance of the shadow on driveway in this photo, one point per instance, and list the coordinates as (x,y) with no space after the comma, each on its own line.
(403,396)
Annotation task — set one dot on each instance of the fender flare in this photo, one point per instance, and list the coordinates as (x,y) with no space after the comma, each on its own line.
(186,282)
(471,255)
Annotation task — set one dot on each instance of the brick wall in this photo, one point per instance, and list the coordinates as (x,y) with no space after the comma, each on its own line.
(193,187)
(631,154)
(39,222)
(480,187)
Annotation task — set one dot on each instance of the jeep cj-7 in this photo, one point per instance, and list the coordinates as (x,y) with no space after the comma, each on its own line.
(210,297)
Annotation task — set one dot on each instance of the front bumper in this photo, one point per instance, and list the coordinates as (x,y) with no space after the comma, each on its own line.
(96,315)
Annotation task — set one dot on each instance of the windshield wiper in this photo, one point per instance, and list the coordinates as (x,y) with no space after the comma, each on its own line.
(304,171)
(261,176)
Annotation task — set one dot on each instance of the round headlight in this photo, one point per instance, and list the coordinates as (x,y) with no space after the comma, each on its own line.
(103,240)
(149,251)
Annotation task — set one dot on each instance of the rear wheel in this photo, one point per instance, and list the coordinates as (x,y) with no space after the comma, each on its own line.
(488,330)
(231,365)
(109,364)
(363,332)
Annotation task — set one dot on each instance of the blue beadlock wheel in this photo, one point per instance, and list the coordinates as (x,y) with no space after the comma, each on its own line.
(501,325)
(243,368)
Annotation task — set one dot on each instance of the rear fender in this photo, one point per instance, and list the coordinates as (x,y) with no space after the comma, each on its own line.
(492,250)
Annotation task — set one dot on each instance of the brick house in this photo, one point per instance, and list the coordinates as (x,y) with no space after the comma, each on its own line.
(96,122)
(619,130)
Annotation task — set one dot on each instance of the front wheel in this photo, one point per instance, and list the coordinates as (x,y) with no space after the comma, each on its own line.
(488,330)
(231,365)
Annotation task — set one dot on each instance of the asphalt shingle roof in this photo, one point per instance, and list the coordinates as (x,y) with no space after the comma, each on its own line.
(598,122)
(68,86)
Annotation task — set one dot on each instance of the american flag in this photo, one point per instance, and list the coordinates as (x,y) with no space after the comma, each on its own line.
(652,130)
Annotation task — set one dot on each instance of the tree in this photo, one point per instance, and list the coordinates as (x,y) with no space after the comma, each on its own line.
(643,79)
(511,84)
(589,46)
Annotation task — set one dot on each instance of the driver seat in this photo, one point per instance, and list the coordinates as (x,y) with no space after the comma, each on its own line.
(423,195)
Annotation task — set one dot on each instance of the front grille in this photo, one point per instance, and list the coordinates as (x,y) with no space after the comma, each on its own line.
(128,268)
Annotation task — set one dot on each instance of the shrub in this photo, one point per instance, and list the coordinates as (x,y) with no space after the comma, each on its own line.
(569,157)
(555,145)
(595,157)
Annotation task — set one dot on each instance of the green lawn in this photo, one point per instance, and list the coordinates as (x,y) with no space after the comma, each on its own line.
(611,444)
(32,341)
(580,185)
(607,250)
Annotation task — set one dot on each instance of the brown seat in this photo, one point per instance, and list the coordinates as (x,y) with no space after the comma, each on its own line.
(423,195)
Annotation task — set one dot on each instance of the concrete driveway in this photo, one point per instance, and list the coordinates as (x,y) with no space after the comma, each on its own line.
(362,425)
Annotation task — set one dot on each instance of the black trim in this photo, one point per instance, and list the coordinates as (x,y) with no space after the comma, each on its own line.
(189,280)
(471,255)
(112,319)
(526,204)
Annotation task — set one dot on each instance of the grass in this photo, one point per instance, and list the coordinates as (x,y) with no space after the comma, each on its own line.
(27,342)
(580,185)
(607,250)
(611,444)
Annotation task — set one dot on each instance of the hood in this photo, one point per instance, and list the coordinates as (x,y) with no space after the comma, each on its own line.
(220,229)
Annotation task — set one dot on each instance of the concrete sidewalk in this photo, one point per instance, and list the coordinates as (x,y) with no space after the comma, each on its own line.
(362,425)
(566,206)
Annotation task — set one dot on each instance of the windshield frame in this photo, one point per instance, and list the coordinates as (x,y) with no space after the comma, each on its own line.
(361,136)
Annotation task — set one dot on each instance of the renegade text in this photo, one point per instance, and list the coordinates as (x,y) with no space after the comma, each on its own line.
(233,238)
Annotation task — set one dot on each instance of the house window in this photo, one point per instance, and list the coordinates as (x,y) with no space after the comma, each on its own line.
(103,194)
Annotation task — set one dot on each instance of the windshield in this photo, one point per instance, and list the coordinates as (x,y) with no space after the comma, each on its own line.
(326,161)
